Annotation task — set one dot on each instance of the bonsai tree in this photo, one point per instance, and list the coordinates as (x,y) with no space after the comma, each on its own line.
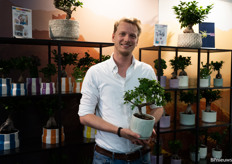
(183,63)
(210,96)
(218,138)
(189,14)
(68,6)
(163,66)
(175,66)
(5,67)
(34,62)
(168,98)
(48,71)
(175,146)
(86,62)
(189,98)
(66,59)
(205,70)
(147,93)
(216,67)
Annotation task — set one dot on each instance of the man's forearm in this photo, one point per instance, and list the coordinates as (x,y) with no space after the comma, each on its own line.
(157,113)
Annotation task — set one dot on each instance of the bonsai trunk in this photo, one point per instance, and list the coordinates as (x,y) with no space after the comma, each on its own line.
(182,73)
(189,29)
(21,79)
(51,123)
(189,109)
(174,75)
(208,107)
(7,126)
(219,76)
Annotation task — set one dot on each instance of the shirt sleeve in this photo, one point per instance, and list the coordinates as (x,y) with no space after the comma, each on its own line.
(90,94)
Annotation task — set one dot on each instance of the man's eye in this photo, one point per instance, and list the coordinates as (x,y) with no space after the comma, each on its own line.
(133,36)
(122,34)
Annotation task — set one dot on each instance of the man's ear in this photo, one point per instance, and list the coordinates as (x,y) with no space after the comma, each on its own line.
(113,35)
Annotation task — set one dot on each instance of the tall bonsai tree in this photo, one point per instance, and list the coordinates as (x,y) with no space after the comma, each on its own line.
(48,72)
(183,63)
(168,98)
(175,146)
(217,66)
(163,66)
(188,97)
(34,62)
(210,96)
(175,63)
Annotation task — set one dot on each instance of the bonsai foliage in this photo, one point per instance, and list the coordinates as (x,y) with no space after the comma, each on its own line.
(189,14)
(175,66)
(167,99)
(183,63)
(48,72)
(147,93)
(163,66)
(217,66)
(68,6)
(218,138)
(34,62)
(5,67)
(66,59)
(205,70)
(154,150)
(188,97)
(175,146)
(210,96)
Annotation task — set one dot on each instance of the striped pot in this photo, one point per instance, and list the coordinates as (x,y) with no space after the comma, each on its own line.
(66,84)
(47,88)
(77,86)
(5,86)
(9,141)
(89,132)
(33,86)
(18,89)
(51,136)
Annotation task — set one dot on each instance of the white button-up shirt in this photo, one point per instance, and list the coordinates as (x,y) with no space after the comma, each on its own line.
(103,89)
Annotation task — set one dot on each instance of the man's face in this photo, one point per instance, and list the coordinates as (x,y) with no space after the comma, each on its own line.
(125,38)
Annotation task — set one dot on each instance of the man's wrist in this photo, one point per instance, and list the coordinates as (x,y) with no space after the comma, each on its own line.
(119,131)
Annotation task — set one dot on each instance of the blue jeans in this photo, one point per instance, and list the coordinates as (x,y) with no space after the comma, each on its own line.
(102,159)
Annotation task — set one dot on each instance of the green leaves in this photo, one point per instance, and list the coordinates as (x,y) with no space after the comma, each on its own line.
(48,71)
(163,66)
(205,71)
(210,95)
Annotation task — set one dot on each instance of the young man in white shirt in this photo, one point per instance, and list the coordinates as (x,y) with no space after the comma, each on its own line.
(103,89)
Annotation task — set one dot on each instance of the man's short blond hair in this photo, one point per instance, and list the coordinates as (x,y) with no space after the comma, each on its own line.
(133,21)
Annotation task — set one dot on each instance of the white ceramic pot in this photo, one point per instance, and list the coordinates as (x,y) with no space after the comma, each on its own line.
(165,121)
(209,117)
(137,125)
(192,40)
(66,85)
(154,159)
(77,86)
(175,161)
(204,83)
(203,152)
(33,86)
(47,88)
(217,82)
(5,86)
(187,119)
(9,141)
(216,153)
(193,156)
(163,80)
(183,81)
(51,136)
(174,83)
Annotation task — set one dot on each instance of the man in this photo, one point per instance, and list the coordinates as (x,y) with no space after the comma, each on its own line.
(103,89)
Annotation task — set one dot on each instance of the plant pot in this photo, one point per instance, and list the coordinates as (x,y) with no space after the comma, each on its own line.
(47,88)
(174,83)
(63,29)
(66,85)
(18,89)
(51,136)
(203,151)
(77,86)
(154,159)
(193,156)
(209,117)
(165,121)
(137,125)
(217,82)
(163,80)
(183,81)
(9,141)
(192,40)
(33,86)
(204,83)
(89,132)
(187,119)
(175,161)
(216,153)
(5,86)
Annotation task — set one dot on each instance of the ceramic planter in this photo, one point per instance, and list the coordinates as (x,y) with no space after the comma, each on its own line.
(192,40)
(77,86)
(18,89)
(137,125)
(66,85)
(209,117)
(174,83)
(51,136)
(33,86)
(154,159)
(163,80)
(187,119)
(175,161)
(217,82)
(204,83)
(9,141)
(47,88)
(183,81)
(216,153)
(193,156)
(203,151)
(89,132)
(5,86)
(165,121)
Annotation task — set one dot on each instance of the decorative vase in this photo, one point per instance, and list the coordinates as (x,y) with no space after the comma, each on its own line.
(165,121)
(18,89)
(137,125)
(47,88)
(174,83)
(5,86)
(33,86)
(153,159)
(187,119)
(192,40)
(51,136)
(63,29)
(9,141)
(66,85)
(209,117)
(183,81)
(216,153)
(217,82)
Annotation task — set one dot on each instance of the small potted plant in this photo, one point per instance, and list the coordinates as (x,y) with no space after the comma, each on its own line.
(5,83)
(65,29)
(217,81)
(189,14)
(175,146)
(48,87)
(205,72)
(147,93)
(174,81)
(193,150)
(155,152)
(160,71)
(188,116)
(202,147)
(66,59)
(183,77)
(165,120)
(208,115)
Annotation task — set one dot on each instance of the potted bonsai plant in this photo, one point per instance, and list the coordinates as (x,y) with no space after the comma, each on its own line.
(165,120)
(48,87)
(66,59)
(202,147)
(175,146)
(208,115)
(155,153)
(205,72)
(5,83)
(160,71)
(174,81)
(34,81)
(147,93)
(188,116)
(193,150)
(65,29)
(217,81)
(183,77)
(189,14)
